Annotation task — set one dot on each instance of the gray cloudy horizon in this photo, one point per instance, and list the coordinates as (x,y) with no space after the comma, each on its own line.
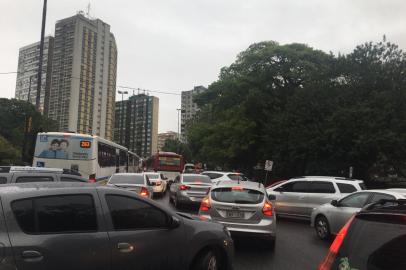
(174,45)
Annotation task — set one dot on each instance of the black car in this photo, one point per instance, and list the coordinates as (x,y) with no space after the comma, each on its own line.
(373,239)
(64,226)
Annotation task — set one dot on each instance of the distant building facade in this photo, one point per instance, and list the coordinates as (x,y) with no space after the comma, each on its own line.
(189,108)
(82,95)
(162,137)
(28,61)
(136,124)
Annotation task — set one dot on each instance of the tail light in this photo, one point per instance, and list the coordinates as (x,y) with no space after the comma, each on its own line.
(205,205)
(144,192)
(92,178)
(335,247)
(267,209)
(158,183)
(184,187)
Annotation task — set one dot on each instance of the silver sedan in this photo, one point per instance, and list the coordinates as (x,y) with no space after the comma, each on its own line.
(243,207)
(329,218)
(189,189)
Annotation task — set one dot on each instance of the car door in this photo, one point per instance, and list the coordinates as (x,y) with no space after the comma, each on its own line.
(321,192)
(346,207)
(291,197)
(6,252)
(58,231)
(140,234)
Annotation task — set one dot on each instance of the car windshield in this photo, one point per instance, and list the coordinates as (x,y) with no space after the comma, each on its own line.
(152,176)
(237,195)
(127,179)
(196,179)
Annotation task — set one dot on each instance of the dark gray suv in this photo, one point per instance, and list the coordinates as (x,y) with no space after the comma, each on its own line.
(83,226)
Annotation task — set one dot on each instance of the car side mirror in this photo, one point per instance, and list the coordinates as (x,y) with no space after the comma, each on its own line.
(174,222)
(271,197)
(335,203)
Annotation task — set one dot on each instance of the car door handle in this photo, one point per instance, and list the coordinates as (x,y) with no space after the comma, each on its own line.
(32,256)
(125,247)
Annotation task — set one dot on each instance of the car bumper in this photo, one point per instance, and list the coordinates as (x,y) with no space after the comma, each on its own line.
(266,227)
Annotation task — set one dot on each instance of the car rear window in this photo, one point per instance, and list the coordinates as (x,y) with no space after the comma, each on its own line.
(346,188)
(196,179)
(127,179)
(237,195)
(152,176)
(71,179)
(374,242)
(213,175)
(237,177)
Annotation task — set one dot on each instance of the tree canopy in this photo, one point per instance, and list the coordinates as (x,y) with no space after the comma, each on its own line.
(308,111)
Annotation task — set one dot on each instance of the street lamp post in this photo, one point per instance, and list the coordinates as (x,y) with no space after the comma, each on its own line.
(122,93)
(179,110)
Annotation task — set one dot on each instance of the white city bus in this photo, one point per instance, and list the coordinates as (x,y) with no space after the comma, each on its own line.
(93,157)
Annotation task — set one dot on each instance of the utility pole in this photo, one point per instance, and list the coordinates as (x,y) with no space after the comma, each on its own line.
(41,53)
(122,114)
(179,110)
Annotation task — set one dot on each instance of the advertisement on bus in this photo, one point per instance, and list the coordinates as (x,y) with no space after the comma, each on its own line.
(64,147)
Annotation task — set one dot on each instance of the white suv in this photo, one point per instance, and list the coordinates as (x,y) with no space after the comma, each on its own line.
(216,176)
(298,196)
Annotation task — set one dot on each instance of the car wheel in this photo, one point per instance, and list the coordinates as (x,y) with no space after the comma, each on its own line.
(322,227)
(207,261)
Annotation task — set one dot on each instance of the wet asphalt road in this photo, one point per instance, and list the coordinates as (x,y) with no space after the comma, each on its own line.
(297,247)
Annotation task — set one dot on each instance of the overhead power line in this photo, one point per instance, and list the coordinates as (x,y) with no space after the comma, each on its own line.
(118,86)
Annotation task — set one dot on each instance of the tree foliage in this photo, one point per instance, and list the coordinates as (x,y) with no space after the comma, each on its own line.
(14,115)
(310,112)
(178,147)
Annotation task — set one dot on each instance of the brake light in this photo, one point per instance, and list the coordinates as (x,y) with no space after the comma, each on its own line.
(335,247)
(237,188)
(144,192)
(92,178)
(267,209)
(205,205)
(184,187)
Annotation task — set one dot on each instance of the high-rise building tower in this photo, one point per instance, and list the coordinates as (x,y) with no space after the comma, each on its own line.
(136,124)
(28,60)
(189,109)
(82,96)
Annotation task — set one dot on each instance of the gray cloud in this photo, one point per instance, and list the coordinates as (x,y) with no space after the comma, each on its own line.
(173,45)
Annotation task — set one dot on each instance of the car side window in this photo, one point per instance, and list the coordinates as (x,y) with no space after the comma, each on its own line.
(147,179)
(322,187)
(177,179)
(346,188)
(128,213)
(30,179)
(298,186)
(56,214)
(380,196)
(3,180)
(357,200)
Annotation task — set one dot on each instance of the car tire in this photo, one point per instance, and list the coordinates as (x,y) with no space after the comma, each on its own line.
(322,227)
(207,261)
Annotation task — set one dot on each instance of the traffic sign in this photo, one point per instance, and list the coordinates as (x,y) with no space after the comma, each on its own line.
(268,165)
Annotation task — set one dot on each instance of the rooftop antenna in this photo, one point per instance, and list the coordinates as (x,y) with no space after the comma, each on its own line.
(88,11)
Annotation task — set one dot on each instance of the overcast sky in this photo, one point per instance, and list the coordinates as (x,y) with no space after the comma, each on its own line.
(174,45)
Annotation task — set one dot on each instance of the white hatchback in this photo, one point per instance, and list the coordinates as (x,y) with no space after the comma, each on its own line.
(216,176)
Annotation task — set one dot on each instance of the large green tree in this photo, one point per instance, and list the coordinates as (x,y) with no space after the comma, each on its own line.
(16,116)
(310,112)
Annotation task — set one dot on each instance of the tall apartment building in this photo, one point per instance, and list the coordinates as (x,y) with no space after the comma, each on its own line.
(162,137)
(82,96)
(136,124)
(189,109)
(28,61)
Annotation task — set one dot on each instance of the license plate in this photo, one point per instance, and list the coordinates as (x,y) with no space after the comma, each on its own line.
(235,214)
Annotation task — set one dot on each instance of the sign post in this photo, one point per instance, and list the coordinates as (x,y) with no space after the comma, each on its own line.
(268,168)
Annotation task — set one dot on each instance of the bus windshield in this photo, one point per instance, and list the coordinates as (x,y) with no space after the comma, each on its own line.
(169,161)
(64,147)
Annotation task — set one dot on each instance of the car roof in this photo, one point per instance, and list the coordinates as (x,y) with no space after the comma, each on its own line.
(41,186)
(384,191)
(328,178)
(243,184)
(222,172)
(193,174)
(128,174)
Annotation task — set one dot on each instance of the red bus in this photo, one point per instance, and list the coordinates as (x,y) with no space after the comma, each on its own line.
(168,163)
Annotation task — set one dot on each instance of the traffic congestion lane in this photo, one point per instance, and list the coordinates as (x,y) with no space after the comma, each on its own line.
(297,246)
